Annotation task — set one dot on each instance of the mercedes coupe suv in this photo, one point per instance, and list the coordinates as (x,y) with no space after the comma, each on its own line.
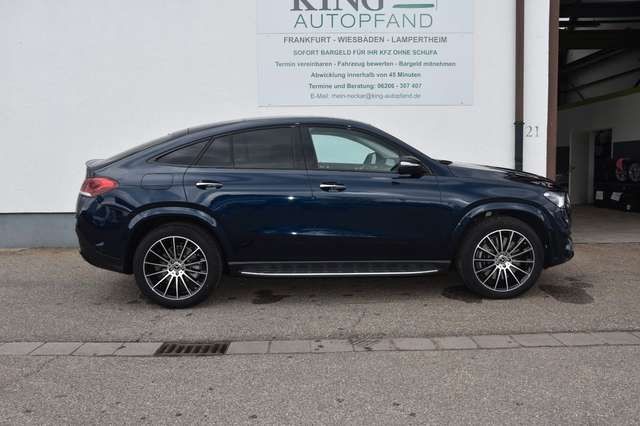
(312,197)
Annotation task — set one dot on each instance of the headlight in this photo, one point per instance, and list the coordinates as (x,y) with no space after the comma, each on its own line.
(560,199)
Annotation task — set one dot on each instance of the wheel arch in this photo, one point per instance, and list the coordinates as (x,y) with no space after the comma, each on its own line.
(147,220)
(527,213)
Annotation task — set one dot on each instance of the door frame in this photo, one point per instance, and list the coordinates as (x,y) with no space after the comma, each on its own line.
(583,137)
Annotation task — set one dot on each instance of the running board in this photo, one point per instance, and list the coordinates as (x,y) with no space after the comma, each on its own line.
(338,269)
(338,274)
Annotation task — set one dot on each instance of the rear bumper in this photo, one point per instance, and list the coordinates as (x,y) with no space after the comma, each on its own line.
(94,256)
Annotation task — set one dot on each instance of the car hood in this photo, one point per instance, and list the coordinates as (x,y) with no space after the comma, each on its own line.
(476,171)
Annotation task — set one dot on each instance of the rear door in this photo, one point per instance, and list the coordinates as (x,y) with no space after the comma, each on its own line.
(363,209)
(254,184)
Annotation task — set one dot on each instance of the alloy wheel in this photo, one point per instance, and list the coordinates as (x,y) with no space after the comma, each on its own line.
(175,268)
(503,260)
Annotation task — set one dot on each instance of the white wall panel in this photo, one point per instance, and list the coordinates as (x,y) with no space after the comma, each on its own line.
(85,79)
(536,85)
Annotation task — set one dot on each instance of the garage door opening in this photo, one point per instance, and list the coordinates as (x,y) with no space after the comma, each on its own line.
(598,146)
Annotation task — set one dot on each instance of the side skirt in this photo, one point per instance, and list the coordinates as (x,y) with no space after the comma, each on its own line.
(338,269)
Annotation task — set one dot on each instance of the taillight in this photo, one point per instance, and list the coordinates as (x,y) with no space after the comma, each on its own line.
(92,187)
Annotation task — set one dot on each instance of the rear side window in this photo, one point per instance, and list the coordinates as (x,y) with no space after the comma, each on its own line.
(142,147)
(257,149)
(218,154)
(264,149)
(185,156)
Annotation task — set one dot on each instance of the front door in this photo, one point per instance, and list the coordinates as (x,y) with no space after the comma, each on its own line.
(363,209)
(254,184)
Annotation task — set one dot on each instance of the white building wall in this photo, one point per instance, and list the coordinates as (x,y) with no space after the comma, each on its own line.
(84,79)
(536,85)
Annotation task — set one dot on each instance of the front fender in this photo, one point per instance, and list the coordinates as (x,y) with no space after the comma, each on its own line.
(530,213)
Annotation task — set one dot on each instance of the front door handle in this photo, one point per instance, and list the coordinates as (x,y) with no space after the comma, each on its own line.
(208,184)
(332,187)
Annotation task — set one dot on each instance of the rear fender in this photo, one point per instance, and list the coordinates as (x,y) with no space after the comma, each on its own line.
(174,214)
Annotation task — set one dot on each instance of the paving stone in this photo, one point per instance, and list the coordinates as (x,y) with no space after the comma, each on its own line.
(331,346)
(495,342)
(536,340)
(618,338)
(578,339)
(138,349)
(19,348)
(380,345)
(290,346)
(57,348)
(98,349)
(240,348)
(455,343)
(414,344)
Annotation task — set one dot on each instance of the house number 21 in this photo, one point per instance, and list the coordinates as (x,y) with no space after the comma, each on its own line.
(532,131)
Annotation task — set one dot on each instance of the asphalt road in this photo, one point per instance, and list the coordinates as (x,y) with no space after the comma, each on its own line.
(52,295)
(55,295)
(535,386)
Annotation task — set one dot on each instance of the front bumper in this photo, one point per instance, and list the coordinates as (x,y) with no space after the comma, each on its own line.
(561,252)
(560,248)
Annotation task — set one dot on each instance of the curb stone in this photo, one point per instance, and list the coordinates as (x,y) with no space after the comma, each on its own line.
(318,346)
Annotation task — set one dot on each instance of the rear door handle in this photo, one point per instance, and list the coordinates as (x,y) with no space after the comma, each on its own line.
(332,187)
(208,184)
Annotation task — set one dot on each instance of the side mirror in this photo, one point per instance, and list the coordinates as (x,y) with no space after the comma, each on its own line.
(410,166)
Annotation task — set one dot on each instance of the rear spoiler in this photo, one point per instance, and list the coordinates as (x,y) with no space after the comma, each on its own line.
(93,165)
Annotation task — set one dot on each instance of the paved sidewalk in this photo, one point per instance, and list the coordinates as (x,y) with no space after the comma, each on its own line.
(515,341)
(587,385)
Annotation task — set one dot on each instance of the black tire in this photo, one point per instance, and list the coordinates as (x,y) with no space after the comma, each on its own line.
(500,228)
(622,174)
(211,267)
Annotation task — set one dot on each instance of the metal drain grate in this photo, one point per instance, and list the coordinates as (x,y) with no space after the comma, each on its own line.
(192,349)
(364,341)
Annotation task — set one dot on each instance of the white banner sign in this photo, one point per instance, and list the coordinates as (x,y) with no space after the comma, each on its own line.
(365,52)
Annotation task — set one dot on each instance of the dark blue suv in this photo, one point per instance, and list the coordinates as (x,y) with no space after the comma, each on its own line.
(312,197)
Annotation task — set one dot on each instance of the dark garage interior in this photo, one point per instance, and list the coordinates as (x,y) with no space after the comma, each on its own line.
(598,152)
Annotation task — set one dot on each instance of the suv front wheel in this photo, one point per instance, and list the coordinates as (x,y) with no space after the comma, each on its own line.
(500,257)
(177,265)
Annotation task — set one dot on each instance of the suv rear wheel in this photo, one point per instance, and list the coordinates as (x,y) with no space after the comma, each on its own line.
(500,257)
(177,265)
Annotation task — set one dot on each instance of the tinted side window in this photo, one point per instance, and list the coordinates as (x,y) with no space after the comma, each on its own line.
(183,156)
(264,149)
(350,150)
(218,154)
